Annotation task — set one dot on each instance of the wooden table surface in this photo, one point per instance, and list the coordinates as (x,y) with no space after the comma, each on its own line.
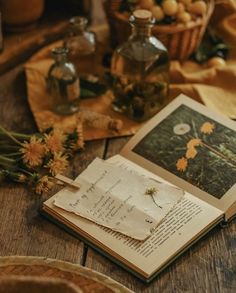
(209,266)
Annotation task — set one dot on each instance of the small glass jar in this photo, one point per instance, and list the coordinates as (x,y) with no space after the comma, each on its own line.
(63,83)
(140,71)
(81,44)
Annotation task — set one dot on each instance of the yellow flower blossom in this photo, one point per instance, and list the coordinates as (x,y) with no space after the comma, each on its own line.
(58,164)
(207,127)
(182,164)
(151,191)
(191,153)
(193,143)
(22,178)
(54,141)
(33,152)
(43,185)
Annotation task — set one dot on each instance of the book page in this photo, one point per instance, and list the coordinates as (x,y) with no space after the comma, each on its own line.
(191,147)
(190,217)
(120,199)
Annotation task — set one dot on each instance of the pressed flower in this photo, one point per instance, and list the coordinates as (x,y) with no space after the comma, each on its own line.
(58,164)
(191,153)
(207,127)
(43,185)
(193,143)
(181,128)
(33,152)
(151,191)
(182,164)
(54,141)
(22,178)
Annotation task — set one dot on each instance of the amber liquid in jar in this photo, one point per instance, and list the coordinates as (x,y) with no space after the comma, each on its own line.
(140,71)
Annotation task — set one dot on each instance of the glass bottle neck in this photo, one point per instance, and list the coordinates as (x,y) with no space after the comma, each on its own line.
(60,55)
(78,24)
(60,59)
(78,29)
(141,31)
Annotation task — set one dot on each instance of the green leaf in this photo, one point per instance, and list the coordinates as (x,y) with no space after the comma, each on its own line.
(85,93)
(91,89)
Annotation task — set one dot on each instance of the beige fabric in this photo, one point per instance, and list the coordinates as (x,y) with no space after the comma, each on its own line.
(214,86)
(99,120)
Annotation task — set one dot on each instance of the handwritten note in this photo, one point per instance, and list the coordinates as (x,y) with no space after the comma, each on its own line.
(120,199)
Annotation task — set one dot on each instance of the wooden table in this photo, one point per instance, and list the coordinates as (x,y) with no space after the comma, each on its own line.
(209,266)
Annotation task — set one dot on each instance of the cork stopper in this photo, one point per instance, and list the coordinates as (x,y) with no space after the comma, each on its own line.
(142,15)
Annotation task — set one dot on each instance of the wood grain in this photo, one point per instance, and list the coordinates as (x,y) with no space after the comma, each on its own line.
(19,47)
(209,266)
(22,230)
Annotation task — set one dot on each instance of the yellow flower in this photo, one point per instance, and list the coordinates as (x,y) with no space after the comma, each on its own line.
(191,153)
(22,178)
(207,127)
(33,152)
(43,185)
(58,164)
(151,191)
(182,164)
(193,143)
(54,141)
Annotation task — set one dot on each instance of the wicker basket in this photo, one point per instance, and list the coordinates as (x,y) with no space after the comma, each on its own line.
(180,39)
(32,284)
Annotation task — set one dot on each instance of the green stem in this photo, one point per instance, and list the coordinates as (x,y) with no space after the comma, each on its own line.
(218,153)
(20,135)
(6,165)
(8,134)
(12,154)
(4,159)
(9,148)
(25,171)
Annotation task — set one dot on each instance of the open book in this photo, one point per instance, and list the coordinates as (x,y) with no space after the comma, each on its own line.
(186,146)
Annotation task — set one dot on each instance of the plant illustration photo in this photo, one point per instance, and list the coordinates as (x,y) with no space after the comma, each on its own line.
(195,148)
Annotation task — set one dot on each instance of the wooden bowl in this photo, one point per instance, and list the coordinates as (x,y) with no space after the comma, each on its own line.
(180,39)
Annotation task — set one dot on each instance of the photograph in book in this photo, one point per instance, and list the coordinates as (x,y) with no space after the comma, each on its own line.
(195,148)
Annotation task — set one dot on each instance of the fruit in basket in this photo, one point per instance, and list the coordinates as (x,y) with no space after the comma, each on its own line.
(157,12)
(146,4)
(170,11)
(184,17)
(198,7)
(170,7)
(178,28)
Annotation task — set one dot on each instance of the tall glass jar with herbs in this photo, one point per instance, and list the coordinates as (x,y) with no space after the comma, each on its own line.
(140,71)
(81,44)
(63,83)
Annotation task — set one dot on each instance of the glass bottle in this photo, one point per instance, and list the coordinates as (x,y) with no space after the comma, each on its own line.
(63,83)
(140,71)
(81,44)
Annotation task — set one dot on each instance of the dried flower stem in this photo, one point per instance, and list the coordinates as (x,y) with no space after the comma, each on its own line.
(218,153)
(8,134)
(6,162)
(20,135)
(2,158)
(8,148)
(12,154)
